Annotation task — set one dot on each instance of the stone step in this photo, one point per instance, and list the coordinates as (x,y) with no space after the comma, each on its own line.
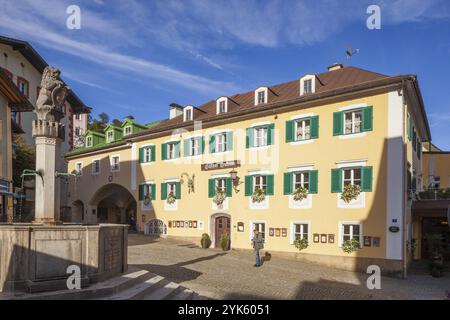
(163,293)
(98,290)
(140,290)
(185,294)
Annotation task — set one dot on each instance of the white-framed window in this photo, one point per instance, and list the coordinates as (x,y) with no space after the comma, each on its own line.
(303,129)
(437,182)
(79,168)
(222,106)
(147,190)
(77,131)
(351,176)
(261,96)
(96,166)
(221,184)
(260,136)
(300,179)
(115,163)
(78,116)
(171,150)
(307,86)
(188,115)
(300,231)
(259,182)
(261,227)
(221,142)
(350,231)
(127,130)
(171,188)
(353,121)
(194,144)
(89,141)
(147,154)
(109,136)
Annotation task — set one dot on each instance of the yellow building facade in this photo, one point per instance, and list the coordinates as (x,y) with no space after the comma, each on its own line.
(323,158)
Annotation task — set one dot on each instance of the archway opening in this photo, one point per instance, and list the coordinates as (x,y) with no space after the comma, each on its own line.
(115,204)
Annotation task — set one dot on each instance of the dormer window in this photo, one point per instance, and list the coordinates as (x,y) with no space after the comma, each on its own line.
(307,84)
(261,96)
(127,130)
(188,113)
(89,141)
(222,105)
(109,136)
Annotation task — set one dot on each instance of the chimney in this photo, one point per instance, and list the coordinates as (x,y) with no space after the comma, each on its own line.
(175,110)
(335,66)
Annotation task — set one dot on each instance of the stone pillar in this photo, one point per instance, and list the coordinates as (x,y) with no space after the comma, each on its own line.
(47,200)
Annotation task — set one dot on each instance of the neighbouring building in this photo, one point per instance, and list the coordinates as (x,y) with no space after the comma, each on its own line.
(24,66)
(11,100)
(325,159)
(80,127)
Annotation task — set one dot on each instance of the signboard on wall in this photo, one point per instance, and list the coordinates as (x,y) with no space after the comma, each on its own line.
(221,165)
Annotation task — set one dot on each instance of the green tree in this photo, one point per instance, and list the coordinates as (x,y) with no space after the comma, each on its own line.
(99,124)
(116,122)
(25,158)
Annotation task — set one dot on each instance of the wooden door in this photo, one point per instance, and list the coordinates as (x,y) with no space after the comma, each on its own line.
(222,225)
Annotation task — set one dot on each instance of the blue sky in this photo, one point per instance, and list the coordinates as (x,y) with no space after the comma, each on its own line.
(137,57)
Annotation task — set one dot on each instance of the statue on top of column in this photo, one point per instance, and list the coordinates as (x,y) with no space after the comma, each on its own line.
(52,96)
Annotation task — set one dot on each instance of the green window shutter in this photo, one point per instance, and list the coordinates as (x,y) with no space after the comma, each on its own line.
(212,144)
(153,191)
(287,183)
(229,140)
(367,119)
(177,190)
(229,187)
(187,149)
(270,134)
(211,188)
(164,151)
(338,122)
(366,179)
(269,182)
(201,143)
(141,192)
(414,140)
(290,125)
(248,185)
(314,127)
(336,180)
(408,124)
(313,181)
(141,155)
(163,191)
(177,149)
(153,153)
(249,138)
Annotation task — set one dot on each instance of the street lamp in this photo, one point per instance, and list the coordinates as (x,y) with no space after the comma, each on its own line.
(235,180)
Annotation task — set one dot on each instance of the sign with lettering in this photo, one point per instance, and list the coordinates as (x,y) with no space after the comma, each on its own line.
(221,165)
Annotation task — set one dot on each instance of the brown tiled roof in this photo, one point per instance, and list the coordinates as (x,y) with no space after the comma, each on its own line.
(327,81)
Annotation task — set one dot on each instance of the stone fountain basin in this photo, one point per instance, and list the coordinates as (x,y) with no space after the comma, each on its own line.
(35,258)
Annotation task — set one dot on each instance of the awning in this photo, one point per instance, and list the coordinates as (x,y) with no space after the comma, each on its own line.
(431,206)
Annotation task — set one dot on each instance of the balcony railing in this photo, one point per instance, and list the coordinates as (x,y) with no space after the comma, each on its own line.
(435,194)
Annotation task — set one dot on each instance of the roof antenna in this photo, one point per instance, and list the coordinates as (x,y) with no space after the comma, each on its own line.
(350,52)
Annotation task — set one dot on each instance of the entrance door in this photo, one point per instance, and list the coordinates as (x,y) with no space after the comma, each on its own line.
(433,226)
(222,225)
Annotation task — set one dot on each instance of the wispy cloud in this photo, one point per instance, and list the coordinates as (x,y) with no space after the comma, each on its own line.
(103,55)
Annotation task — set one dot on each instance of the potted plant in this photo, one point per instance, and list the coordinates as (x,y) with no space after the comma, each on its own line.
(205,241)
(300,193)
(350,192)
(225,241)
(258,195)
(350,246)
(219,198)
(171,198)
(301,244)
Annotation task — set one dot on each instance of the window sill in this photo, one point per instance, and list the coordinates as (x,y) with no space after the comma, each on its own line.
(259,148)
(221,153)
(146,163)
(353,135)
(171,160)
(301,142)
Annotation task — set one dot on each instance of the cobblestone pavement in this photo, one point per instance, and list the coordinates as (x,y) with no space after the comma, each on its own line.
(231,275)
